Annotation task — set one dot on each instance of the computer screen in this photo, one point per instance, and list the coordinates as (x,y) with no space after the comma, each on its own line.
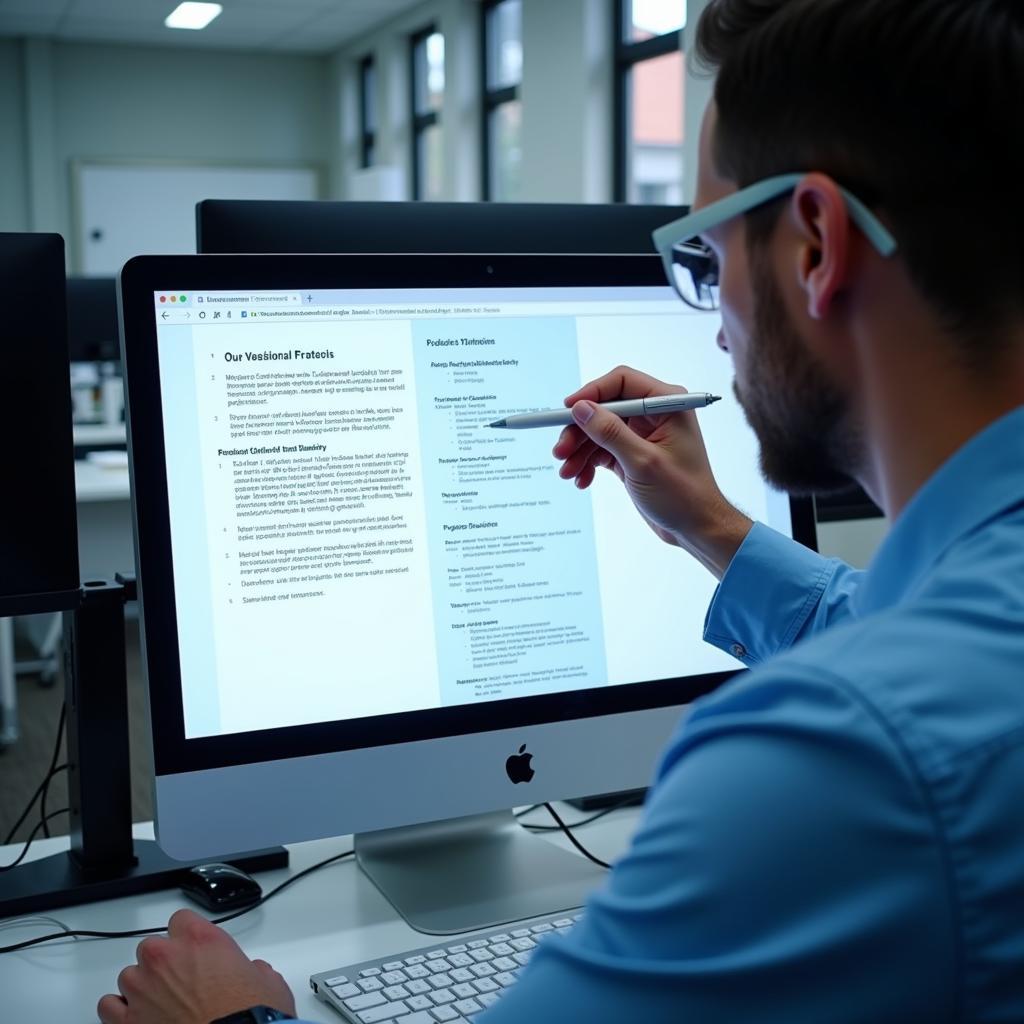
(245,225)
(361,604)
(92,319)
(38,520)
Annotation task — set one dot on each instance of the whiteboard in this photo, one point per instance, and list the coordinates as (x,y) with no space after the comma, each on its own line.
(125,210)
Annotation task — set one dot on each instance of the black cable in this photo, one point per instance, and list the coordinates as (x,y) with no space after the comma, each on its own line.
(82,933)
(576,824)
(53,765)
(35,796)
(575,842)
(31,838)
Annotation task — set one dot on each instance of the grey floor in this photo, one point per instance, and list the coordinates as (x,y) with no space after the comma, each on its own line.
(23,765)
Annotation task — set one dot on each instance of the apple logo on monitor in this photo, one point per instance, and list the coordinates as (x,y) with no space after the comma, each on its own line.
(518,766)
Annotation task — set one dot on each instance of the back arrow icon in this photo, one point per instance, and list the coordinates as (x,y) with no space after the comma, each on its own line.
(164,314)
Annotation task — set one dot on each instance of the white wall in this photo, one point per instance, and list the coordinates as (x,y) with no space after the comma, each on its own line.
(106,102)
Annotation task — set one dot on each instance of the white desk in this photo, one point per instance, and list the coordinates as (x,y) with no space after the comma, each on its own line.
(333,917)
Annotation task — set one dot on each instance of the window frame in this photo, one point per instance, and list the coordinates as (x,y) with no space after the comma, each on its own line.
(367,70)
(492,100)
(627,56)
(419,122)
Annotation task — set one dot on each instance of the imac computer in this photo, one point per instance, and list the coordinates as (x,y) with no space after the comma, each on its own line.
(366,611)
(38,520)
(308,226)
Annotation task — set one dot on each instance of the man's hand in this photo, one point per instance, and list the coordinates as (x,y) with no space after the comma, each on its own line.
(661,460)
(195,975)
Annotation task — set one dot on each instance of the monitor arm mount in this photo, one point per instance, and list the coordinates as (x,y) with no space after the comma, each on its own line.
(105,860)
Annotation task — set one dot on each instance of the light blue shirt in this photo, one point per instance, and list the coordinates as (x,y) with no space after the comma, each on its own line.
(838,834)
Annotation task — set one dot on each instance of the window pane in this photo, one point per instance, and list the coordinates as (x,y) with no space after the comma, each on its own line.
(655,135)
(428,71)
(504,130)
(504,44)
(430,161)
(647,18)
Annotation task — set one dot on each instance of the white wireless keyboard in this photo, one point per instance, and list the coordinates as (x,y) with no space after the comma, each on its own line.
(443,983)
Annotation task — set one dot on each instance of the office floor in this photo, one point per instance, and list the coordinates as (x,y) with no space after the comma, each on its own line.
(23,765)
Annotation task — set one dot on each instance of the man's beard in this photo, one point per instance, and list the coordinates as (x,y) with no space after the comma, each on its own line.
(809,444)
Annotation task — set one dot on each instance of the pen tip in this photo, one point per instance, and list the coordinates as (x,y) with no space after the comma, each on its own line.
(497,423)
(714,398)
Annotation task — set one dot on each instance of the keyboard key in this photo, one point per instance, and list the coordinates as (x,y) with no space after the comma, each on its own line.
(393,977)
(485,985)
(504,963)
(564,922)
(338,979)
(523,943)
(345,991)
(502,949)
(370,972)
(438,965)
(467,1006)
(488,998)
(482,970)
(442,980)
(460,960)
(521,933)
(369,984)
(386,1011)
(464,991)
(538,928)
(417,986)
(442,996)
(419,1003)
(500,937)
(505,979)
(417,971)
(480,955)
(461,974)
(364,1002)
(522,959)
(415,959)
(460,948)
(396,992)
(478,944)
(393,965)
(443,1013)
(435,953)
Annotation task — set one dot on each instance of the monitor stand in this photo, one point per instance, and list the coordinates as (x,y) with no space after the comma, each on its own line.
(459,875)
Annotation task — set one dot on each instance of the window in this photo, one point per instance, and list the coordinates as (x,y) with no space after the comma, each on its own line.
(367,111)
(649,101)
(427,78)
(503,72)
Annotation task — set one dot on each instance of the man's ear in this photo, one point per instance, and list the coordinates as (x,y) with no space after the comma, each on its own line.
(818,213)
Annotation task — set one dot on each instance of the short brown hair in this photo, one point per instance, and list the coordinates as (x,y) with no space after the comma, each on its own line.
(918,105)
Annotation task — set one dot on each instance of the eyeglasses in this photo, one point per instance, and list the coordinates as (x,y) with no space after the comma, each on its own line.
(691,267)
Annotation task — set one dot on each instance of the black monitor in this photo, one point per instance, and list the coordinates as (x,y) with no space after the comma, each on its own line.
(38,522)
(260,226)
(92,320)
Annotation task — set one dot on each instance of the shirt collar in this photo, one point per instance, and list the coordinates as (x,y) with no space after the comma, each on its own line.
(978,483)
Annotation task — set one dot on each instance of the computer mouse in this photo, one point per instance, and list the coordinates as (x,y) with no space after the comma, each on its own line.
(220,887)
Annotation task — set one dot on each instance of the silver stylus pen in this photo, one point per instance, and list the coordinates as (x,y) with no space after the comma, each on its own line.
(658,405)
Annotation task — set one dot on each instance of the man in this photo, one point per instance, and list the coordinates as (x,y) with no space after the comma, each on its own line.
(838,834)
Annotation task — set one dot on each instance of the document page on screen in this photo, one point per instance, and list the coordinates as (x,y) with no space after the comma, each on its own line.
(351,539)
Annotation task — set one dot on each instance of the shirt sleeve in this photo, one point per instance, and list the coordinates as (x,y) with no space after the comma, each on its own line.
(786,869)
(775,592)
